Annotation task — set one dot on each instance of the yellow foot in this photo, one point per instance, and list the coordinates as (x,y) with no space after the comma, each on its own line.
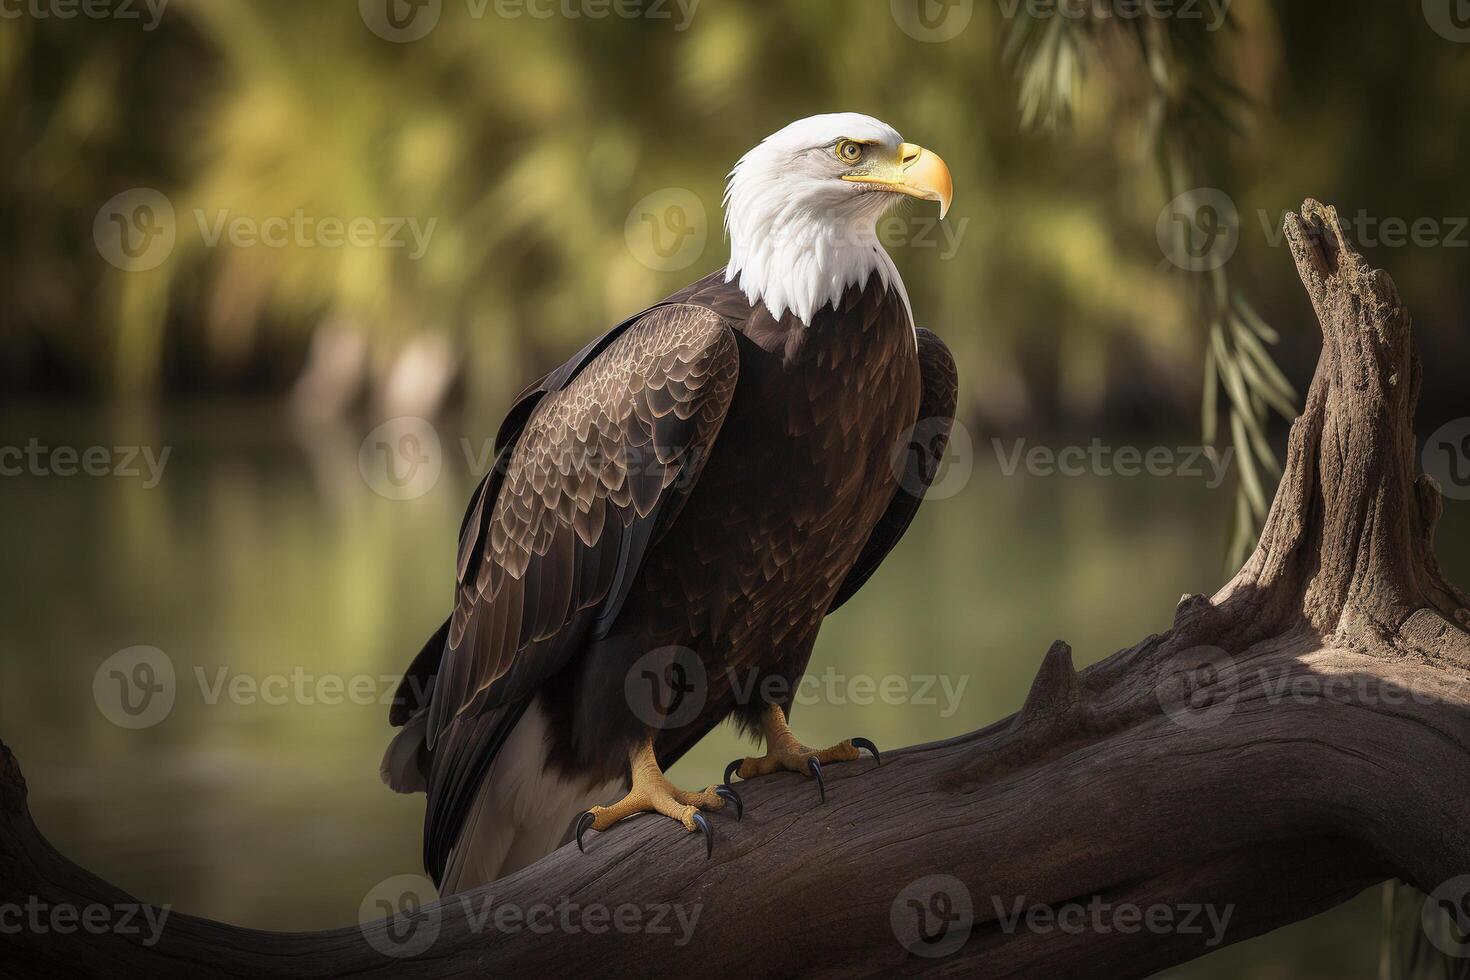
(784,752)
(651,792)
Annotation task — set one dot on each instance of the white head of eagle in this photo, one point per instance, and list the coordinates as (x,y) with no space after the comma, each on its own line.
(802,209)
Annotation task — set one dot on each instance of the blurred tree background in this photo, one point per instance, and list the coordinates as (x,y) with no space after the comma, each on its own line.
(525,141)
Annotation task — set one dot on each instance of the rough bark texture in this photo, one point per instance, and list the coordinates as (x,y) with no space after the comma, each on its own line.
(1298,737)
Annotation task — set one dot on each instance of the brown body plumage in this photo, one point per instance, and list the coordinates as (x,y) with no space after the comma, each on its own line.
(767,484)
(801,473)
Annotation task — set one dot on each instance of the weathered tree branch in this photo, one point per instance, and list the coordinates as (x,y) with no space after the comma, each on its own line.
(1298,737)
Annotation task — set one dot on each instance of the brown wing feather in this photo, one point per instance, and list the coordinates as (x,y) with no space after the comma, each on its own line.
(921,463)
(574,514)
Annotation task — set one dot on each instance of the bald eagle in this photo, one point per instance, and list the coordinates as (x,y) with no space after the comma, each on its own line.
(672,514)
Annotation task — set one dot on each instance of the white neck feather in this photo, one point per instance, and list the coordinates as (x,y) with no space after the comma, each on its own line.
(793,259)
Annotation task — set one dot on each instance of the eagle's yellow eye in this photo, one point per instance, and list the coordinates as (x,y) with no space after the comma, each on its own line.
(849,151)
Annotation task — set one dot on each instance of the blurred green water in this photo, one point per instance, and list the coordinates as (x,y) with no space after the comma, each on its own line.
(263,551)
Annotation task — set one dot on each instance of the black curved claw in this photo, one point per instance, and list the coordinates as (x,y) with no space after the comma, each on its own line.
(709,835)
(816,770)
(730,770)
(583,822)
(727,794)
(863,743)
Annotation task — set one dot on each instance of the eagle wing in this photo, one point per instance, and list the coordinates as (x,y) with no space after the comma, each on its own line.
(923,453)
(557,534)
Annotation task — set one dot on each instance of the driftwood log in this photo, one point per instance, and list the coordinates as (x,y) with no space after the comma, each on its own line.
(1298,737)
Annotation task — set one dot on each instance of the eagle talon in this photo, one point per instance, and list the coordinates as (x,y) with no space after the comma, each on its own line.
(583,822)
(863,743)
(709,834)
(785,753)
(650,792)
(724,792)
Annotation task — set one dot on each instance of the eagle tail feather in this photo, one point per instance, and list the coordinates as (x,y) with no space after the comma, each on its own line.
(407,759)
(522,811)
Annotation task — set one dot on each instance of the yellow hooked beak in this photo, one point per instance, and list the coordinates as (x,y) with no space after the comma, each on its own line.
(916,172)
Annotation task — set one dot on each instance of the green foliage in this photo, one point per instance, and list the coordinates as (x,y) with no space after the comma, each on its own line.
(1188,104)
(528,142)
